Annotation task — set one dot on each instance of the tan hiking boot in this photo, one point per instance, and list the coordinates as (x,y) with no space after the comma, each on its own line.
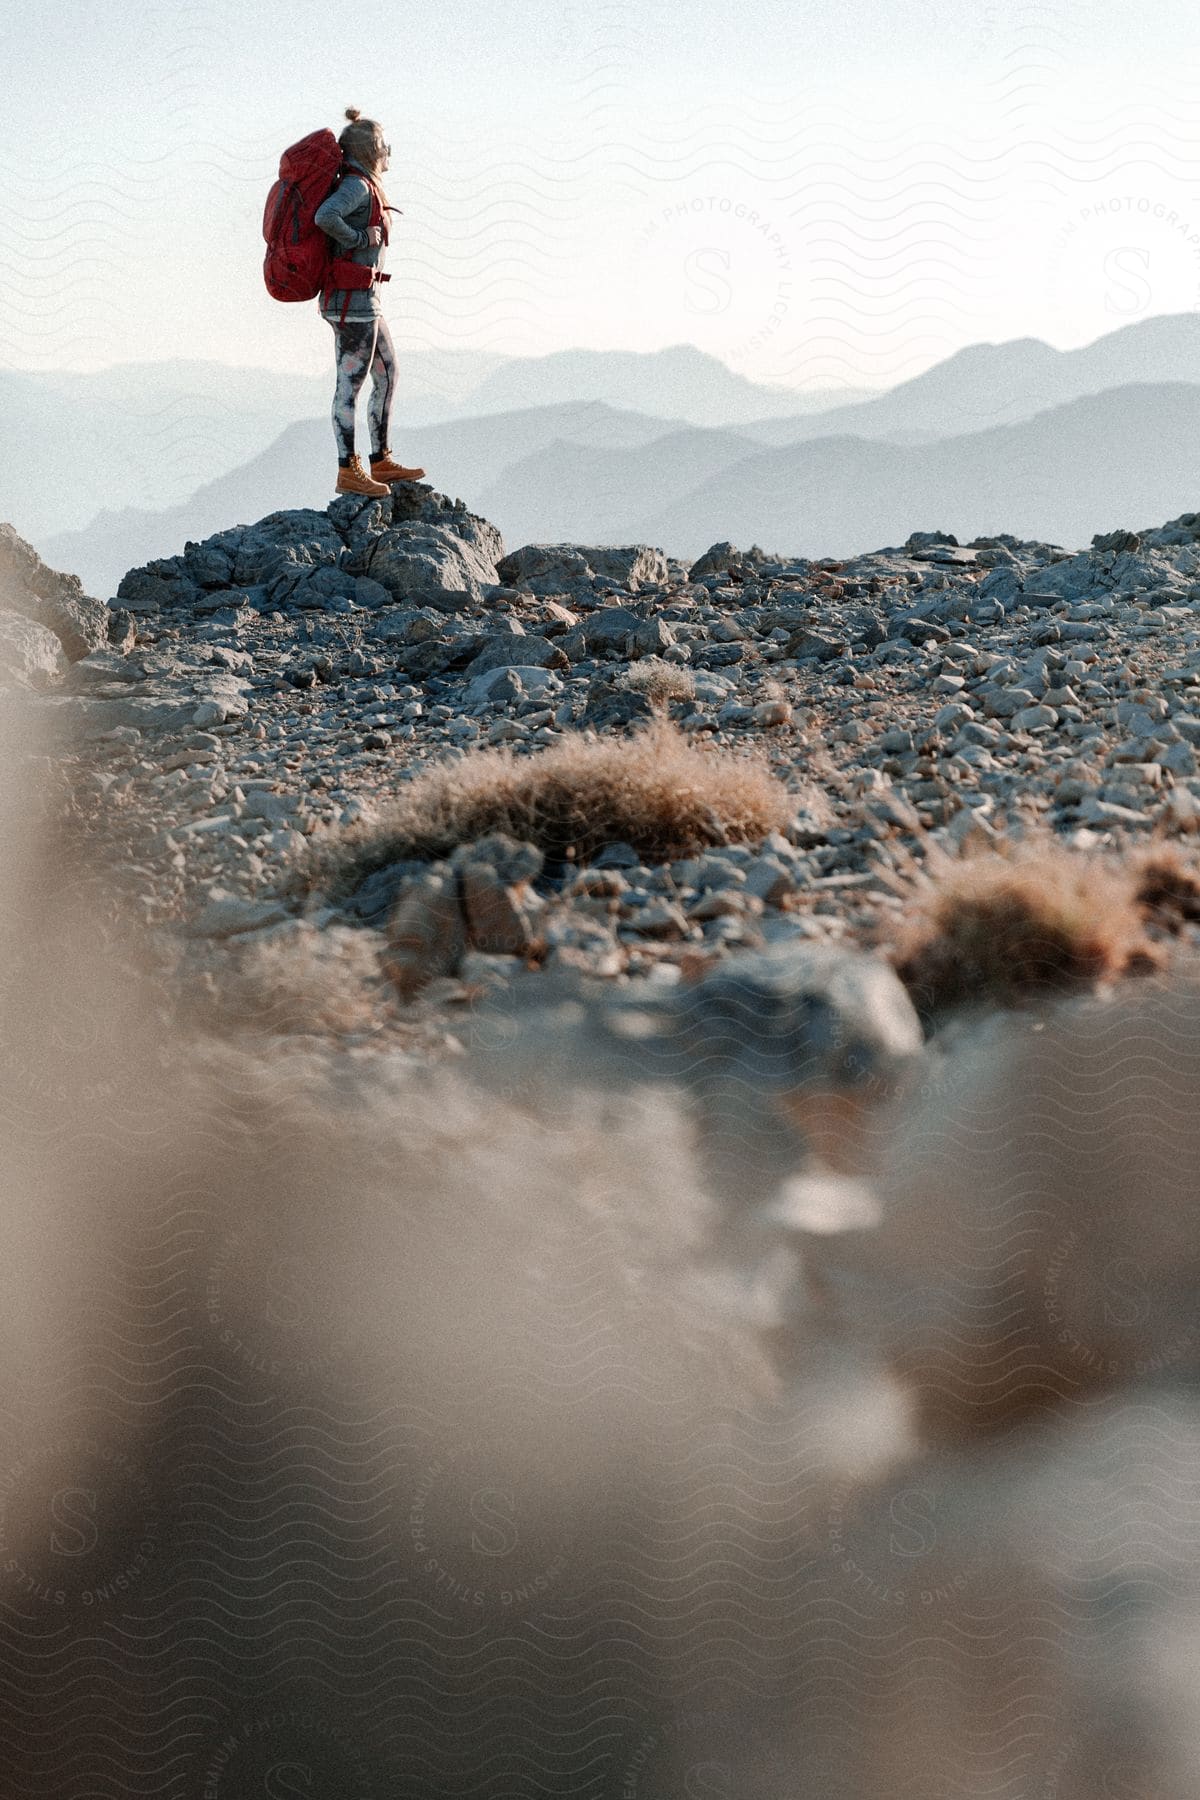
(353,479)
(384,469)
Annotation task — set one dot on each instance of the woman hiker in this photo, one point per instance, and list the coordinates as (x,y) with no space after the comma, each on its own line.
(362,340)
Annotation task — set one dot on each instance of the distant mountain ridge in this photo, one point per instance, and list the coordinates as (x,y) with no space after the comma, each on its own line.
(155,433)
(1124,454)
(985,385)
(680,381)
(1128,455)
(586,470)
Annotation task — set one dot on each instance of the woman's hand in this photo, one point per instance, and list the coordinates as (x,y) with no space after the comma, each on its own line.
(374,235)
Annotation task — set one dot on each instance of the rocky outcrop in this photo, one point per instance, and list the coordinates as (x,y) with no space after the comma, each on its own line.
(416,546)
(929,692)
(55,605)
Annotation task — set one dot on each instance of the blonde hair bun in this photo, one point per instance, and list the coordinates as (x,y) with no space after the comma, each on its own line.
(353,113)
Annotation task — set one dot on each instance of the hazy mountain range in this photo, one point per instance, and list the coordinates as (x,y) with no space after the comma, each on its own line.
(1014,437)
(1000,384)
(148,435)
(1126,456)
(681,382)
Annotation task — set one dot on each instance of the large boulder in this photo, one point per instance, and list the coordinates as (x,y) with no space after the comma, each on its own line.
(608,630)
(726,559)
(80,623)
(783,1054)
(427,565)
(553,568)
(247,554)
(51,598)
(632,565)
(619,631)
(312,586)
(30,656)
(790,1020)
(1106,571)
(210,563)
(546,568)
(280,551)
(80,719)
(718,559)
(500,651)
(424,643)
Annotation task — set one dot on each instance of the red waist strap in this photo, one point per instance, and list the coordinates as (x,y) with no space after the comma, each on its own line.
(350,276)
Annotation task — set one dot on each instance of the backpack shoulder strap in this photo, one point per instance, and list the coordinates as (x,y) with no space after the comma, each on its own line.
(378,209)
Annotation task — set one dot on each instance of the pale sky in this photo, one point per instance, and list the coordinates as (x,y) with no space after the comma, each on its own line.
(836,194)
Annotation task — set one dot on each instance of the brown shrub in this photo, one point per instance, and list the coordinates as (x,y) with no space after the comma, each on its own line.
(1167,886)
(1005,926)
(655,790)
(659,681)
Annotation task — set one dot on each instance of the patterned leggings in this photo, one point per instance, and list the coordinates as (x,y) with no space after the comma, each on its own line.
(361,345)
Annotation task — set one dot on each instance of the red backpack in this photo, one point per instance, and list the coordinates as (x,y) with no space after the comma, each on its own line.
(300,258)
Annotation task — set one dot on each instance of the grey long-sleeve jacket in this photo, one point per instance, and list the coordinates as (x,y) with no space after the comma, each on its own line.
(345,217)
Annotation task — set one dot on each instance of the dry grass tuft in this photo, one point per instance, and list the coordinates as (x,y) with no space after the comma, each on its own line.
(1003,927)
(659,681)
(1167,886)
(655,790)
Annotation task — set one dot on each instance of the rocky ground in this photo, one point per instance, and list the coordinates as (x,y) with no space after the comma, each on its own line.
(872,1435)
(245,704)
